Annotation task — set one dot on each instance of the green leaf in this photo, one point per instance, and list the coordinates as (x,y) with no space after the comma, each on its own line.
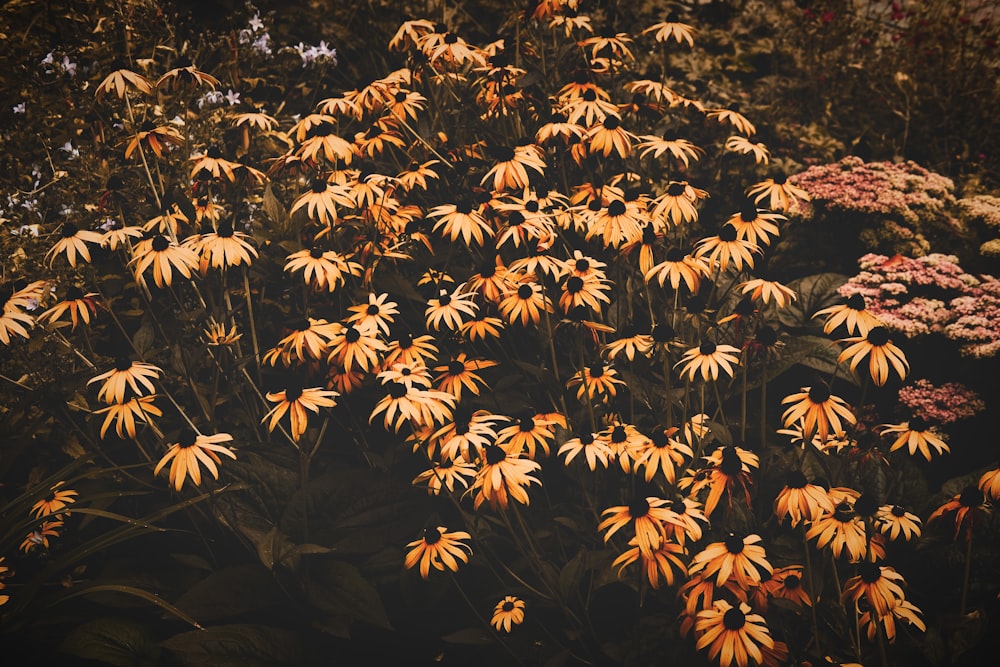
(236,646)
(469,636)
(229,593)
(273,208)
(337,587)
(815,293)
(115,641)
(136,592)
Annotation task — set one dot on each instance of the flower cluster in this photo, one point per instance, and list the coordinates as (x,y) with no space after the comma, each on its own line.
(942,404)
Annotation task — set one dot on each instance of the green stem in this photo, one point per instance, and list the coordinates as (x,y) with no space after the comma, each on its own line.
(965,575)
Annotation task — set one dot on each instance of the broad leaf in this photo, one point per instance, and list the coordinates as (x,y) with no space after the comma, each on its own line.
(114,641)
(236,646)
(337,587)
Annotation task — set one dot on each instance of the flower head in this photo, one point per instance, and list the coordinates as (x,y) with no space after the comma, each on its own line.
(507,613)
(191,451)
(439,549)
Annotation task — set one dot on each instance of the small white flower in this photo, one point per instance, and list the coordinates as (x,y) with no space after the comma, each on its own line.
(68,67)
(232,97)
(255,23)
(18,108)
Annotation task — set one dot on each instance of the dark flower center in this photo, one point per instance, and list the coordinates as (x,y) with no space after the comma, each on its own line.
(587,439)
(780,179)
(293,393)
(648,235)
(74,293)
(596,371)
(695,305)
(450,38)
(734,619)
(503,153)
(589,95)
(432,535)
(397,390)
(225,230)
(767,336)
(301,325)
(507,606)
(612,123)
(749,212)
(525,292)
(444,299)
(582,265)
(675,189)
(796,480)
(318,185)
(866,505)
(918,424)
(663,333)
(372,309)
(594,205)
(819,393)
(323,129)
(619,435)
(856,302)
(69,230)
(494,454)
(898,511)
(792,582)
(526,424)
(187,439)
(878,336)
(488,268)
(352,335)
(574,284)
(531,206)
(122,364)
(731,465)
(745,307)
(400,96)
(456,368)
(675,255)
(638,508)
(463,206)
(160,243)
(727,234)
(844,512)
(870,572)
(214,152)
(971,497)
(707,348)
(734,543)
(660,439)
(616,208)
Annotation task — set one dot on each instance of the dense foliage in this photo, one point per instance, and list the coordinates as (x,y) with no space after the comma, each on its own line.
(569,333)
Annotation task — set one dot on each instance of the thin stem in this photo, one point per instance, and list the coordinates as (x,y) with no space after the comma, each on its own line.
(965,576)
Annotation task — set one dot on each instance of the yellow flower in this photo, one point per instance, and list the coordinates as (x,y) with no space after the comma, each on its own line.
(135,375)
(73,241)
(507,613)
(707,359)
(296,401)
(438,549)
(881,354)
(124,415)
(54,503)
(191,451)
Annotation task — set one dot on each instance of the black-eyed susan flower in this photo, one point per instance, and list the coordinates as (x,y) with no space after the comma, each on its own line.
(786,583)
(677,268)
(321,201)
(725,249)
(777,193)
(412,405)
(216,335)
(743,146)
(466,435)
(879,585)
(727,470)
(355,348)
(211,164)
(672,29)
(678,204)
(894,521)
(135,375)
(460,373)
(525,304)
(917,436)
(39,537)
(155,138)
(78,305)
(508,613)
(662,563)
(526,433)
(968,506)
(609,137)
(450,474)
(616,224)
(587,108)
(185,74)
(851,314)
(597,381)
(738,557)
(323,269)
(225,247)
(593,449)
(416,175)
(164,257)
(502,477)
(732,116)
(733,635)
(899,610)
(707,359)
(614,42)
(308,340)
(688,521)
(376,315)
(680,149)
(631,343)
(439,549)
(646,516)
(558,128)
(664,454)
(882,355)
(412,375)
(989,484)
(511,167)
(462,219)
(73,243)
(768,291)
(192,451)
(819,411)
(125,415)
(297,402)
(481,327)
(406,348)
(842,531)
(409,34)
(590,292)
(800,500)
(55,503)
(120,80)
(119,237)
(322,142)
(450,310)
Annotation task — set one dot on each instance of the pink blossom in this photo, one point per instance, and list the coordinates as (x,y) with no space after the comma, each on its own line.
(945,404)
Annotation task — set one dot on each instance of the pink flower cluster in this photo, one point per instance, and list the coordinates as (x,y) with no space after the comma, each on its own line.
(945,404)
(906,190)
(931,295)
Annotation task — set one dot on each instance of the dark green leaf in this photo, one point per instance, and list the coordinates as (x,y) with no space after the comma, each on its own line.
(229,593)
(115,641)
(236,646)
(339,588)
